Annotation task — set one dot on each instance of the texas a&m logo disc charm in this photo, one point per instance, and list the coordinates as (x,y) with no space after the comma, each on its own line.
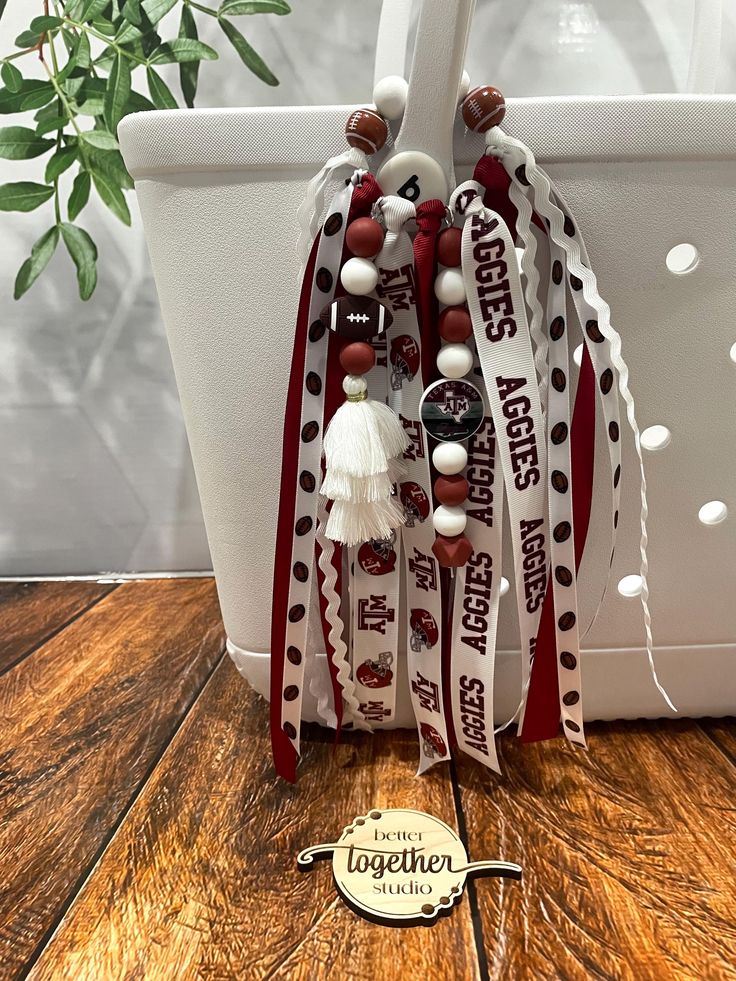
(451,409)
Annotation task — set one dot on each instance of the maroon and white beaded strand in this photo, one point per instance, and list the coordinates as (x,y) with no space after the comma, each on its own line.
(364,437)
(459,403)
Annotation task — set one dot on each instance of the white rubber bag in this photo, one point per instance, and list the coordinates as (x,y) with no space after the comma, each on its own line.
(219,191)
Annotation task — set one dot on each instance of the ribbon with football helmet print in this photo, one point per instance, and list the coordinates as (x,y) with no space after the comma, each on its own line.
(431,390)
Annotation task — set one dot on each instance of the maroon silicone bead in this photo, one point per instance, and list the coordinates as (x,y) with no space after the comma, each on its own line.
(357,358)
(451,490)
(448,247)
(452,552)
(364,237)
(455,324)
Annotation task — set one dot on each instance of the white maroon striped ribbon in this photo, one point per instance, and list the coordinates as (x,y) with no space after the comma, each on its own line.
(519,163)
(397,290)
(497,309)
(327,268)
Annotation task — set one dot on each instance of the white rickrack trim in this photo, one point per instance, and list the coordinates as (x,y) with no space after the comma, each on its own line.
(341,659)
(544,205)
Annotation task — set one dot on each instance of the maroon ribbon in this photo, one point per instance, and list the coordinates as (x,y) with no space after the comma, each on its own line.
(284,754)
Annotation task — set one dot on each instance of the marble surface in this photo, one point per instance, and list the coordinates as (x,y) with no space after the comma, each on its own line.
(97,475)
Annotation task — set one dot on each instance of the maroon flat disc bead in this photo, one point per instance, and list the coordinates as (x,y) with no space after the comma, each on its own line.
(451,489)
(364,237)
(448,247)
(357,358)
(455,324)
(452,552)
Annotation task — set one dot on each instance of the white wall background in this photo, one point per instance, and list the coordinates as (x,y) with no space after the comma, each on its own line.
(95,473)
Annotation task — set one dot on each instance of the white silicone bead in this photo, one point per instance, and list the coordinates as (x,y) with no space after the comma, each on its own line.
(463,87)
(359,276)
(455,360)
(389,96)
(449,521)
(450,458)
(354,385)
(449,287)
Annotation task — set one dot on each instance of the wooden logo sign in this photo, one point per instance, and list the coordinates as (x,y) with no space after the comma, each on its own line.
(401,867)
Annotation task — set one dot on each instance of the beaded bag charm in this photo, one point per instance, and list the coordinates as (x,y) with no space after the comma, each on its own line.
(429,391)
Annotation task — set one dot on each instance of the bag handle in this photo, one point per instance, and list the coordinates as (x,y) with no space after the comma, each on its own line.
(705,44)
(420,165)
(393,33)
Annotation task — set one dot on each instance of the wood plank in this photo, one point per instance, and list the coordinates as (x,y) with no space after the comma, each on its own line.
(627,854)
(31,612)
(201,878)
(722,732)
(82,721)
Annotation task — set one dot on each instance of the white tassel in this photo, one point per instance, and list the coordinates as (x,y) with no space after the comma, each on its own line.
(353,524)
(309,213)
(361,446)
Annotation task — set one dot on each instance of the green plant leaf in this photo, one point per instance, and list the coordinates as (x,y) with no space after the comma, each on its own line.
(127,32)
(161,94)
(232,8)
(104,26)
(39,25)
(2,6)
(110,162)
(24,196)
(131,11)
(92,9)
(80,194)
(111,194)
(183,49)
(32,94)
(100,138)
(51,124)
(250,58)
(27,39)
(117,92)
(156,9)
(139,103)
(82,54)
(84,255)
(12,77)
(61,161)
(20,143)
(188,70)
(32,268)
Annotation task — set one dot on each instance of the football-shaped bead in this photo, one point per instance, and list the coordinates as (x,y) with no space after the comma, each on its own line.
(366,130)
(356,318)
(482,108)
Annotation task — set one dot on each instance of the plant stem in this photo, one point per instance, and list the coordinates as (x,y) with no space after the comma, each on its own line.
(18,54)
(108,41)
(198,6)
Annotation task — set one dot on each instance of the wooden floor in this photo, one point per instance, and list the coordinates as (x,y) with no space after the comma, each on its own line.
(143,834)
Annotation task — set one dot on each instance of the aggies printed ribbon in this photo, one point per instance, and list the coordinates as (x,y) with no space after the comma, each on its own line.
(496,304)
(302,449)
(397,289)
(476,599)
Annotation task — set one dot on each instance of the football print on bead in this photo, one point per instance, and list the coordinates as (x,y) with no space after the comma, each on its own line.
(356,318)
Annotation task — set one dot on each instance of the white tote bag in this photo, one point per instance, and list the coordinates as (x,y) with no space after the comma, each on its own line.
(219,191)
